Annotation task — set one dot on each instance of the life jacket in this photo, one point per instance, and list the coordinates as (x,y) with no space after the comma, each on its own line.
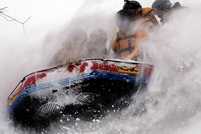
(62,56)
(96,49)
(65,55)
(149,14)
(126,45)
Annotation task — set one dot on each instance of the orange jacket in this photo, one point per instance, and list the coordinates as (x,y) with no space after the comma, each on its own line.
(65,54)
(126,46)
(149,14)
(62,56)
(147,22)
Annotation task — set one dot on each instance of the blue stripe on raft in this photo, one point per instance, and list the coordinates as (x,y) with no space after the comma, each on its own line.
(73,80)
(118,76)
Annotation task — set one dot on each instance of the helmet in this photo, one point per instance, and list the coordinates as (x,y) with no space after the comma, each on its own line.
(124,19)
(77,36)
(162,5)
(125,14)
(99,34)
(133,5)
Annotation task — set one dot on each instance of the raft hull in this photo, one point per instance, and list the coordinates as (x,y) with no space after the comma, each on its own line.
(85,89)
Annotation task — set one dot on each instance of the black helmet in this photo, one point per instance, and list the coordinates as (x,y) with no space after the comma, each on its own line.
(125,14)
(124,17)
(133,5)
(162,5)
(124,20)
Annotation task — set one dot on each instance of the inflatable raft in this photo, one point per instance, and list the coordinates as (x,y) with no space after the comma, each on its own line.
(84,89)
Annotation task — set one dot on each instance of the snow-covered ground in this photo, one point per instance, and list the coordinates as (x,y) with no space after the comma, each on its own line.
(175,48)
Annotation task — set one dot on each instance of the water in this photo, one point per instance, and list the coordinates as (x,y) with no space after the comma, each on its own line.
(173,101)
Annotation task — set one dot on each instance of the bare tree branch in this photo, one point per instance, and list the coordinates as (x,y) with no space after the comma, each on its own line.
(1,9)
(9,18)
